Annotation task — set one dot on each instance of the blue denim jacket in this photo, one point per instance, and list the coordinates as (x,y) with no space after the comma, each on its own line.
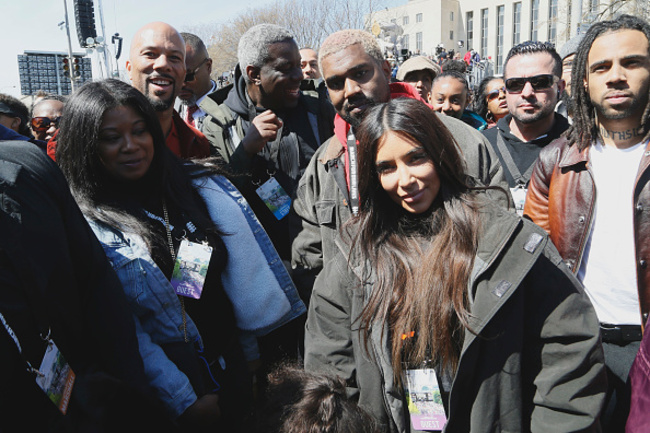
(254,278)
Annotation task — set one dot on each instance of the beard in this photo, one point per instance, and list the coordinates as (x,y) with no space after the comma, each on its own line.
(189,102)
(616,113)
(527,119)
(355,119)
(158,103)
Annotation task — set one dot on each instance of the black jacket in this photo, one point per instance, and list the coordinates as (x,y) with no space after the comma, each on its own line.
(523,153)
(55,278)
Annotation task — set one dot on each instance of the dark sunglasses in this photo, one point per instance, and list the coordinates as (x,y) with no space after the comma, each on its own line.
(539,83)
(190,76)
(495,93)
(43,123)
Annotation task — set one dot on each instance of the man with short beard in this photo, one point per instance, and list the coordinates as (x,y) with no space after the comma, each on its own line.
(156,67)
(532,75)
(591,191)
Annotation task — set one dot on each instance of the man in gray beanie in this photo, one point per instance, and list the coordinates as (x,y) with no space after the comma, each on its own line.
(567,53)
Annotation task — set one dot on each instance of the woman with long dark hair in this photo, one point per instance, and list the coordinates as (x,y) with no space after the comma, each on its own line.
(201,276)
(490,102)
(444,308)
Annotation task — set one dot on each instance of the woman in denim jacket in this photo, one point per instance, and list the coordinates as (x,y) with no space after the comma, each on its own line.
(142,203)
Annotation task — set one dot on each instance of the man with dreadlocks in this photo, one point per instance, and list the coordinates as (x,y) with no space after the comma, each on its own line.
(591,192)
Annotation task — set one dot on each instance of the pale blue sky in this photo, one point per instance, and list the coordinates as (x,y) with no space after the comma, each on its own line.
(32,25)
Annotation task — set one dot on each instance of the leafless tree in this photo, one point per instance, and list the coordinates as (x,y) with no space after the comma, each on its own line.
(611,9)
(311,21)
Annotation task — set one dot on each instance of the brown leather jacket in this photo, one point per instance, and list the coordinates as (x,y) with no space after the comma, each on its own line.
(561,198)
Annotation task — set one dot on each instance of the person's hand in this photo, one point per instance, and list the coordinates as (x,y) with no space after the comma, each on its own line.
(203,413)
(263,129)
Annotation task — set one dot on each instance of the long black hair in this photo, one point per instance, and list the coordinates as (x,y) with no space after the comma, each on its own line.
(421,274)
(584,130)
(100,196)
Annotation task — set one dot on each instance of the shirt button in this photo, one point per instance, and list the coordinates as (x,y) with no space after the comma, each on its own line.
(581,220)
(639,208)
(643,264)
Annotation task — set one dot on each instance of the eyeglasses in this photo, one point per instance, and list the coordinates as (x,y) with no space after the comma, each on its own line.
(539,83)
(43,123)
(495,93)
(190,76)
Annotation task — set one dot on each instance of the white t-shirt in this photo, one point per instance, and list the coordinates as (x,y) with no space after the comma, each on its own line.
(608,267)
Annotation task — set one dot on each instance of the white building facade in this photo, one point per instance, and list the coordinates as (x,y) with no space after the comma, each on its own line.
(492,27)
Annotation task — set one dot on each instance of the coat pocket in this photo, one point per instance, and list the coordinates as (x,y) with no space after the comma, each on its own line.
(325,212)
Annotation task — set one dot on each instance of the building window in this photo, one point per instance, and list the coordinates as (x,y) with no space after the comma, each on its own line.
(470,30)
(418,42)
(451,16)
(451,35)
(418,18)
(405,42)
(594,11)
(500,21)
(552,21)
(534,19)
(393,20)
(516,23)
(484,32)
(405,20)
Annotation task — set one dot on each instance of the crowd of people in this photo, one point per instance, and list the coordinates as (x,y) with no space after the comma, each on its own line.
(328,245)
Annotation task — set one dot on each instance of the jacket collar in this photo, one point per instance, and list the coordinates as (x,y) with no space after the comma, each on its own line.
(572,156)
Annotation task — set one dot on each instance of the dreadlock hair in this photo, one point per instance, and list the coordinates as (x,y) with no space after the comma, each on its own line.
(584,129)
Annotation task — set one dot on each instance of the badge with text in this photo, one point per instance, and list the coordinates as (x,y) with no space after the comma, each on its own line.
(424,400)
(56,378)
(190,269)
(276,199)
(519,197)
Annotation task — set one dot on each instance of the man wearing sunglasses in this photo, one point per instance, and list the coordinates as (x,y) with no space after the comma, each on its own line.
(591,191)
(532,72)
(156,67)
(198,84)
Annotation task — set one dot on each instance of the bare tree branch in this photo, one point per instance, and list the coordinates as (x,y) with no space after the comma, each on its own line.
(311,21)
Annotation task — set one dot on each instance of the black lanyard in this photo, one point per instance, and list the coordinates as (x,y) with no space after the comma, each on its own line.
(354,173)
(520,180)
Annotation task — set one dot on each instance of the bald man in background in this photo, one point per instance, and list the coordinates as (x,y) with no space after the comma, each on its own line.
(156,67)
